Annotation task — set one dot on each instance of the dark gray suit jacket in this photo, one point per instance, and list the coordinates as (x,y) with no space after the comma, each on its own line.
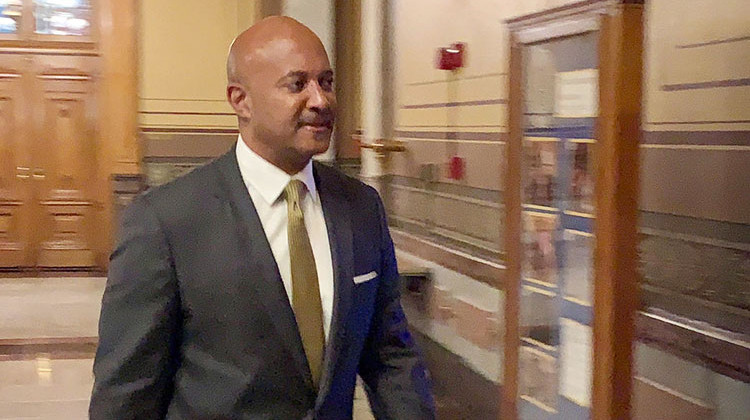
(196,323)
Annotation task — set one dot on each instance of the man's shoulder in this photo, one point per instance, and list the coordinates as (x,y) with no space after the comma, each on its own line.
(352,188)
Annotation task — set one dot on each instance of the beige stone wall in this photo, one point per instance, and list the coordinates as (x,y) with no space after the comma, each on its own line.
(696,160)
(182,52)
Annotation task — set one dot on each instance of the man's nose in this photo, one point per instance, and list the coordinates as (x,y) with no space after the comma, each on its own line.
(318,98)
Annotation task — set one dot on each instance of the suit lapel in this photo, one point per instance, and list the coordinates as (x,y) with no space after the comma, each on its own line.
(260,269)
(337,215)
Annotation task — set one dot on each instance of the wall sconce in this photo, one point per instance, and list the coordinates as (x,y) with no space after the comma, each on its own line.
(451,58)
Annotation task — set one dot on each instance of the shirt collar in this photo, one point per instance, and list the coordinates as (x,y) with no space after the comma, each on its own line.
(268,179)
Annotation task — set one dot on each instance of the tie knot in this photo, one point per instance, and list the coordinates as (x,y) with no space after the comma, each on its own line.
(293,191)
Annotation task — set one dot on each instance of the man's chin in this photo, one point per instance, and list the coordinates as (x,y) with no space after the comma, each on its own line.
(315,142)
(311,147)
(322,148)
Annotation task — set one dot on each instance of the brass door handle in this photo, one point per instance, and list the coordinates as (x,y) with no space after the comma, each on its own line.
(22,172)
(384,146)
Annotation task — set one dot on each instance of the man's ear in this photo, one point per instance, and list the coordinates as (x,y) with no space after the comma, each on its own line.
(239,100)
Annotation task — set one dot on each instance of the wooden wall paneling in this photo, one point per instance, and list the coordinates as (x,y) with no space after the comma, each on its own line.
(118,98)
(15,198)
(616,191)
(68,209)
(512,197)
(119,75)
(76,100)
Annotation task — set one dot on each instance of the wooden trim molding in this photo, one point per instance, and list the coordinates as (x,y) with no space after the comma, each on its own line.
(616,287)
(118,99)
(120,75)
(512,234)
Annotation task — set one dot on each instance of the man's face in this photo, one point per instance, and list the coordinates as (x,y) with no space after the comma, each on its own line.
(291,99)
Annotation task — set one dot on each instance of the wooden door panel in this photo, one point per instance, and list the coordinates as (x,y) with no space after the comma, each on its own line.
(66,169)
(15,203)
(65,157)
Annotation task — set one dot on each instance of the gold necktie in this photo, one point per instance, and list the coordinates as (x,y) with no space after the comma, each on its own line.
(305,290)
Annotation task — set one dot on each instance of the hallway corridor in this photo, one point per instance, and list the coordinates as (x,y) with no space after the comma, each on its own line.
(48,330)
(48,336)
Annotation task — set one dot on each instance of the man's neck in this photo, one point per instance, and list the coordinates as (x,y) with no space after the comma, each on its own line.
(286,165)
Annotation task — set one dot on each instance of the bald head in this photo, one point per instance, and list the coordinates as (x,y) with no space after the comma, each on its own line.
(280,84)
(265,40)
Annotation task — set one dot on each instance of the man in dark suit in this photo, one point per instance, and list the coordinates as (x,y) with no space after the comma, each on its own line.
(260,285)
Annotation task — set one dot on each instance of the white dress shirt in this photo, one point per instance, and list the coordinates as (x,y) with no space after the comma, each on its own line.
(265,183)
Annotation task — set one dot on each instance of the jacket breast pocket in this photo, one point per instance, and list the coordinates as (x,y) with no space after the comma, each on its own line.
(364,278)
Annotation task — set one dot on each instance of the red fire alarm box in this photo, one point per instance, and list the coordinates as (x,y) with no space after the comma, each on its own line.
(456,167)
(451,58)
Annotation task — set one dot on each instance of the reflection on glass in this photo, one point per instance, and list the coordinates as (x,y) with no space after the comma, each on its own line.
(540,161)
(10,16)
(538,319)
(540,258)
(63,17)
(560,92)
(581,194)
(539,87)
(575,362)
(539,378)
(579,249)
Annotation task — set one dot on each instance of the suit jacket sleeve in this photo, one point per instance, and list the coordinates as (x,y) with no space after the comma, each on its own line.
(139,323)
(391,367)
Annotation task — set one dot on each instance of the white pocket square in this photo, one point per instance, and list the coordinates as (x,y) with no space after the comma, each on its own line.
(365,277)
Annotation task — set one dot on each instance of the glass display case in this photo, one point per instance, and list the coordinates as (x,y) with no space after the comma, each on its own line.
(556,230)
(559,118)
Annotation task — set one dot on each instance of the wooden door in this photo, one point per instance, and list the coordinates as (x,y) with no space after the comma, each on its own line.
(16,243)
(57,154)
(65,162)
(50,194)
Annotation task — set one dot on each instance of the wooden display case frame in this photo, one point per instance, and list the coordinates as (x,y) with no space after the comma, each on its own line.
(617,133)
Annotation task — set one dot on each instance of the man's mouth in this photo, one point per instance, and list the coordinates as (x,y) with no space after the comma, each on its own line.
(318,126)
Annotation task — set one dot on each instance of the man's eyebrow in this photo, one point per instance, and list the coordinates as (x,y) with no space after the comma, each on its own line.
(303,75)
(295,73)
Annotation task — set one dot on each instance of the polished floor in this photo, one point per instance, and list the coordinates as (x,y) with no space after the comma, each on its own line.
(48,330)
